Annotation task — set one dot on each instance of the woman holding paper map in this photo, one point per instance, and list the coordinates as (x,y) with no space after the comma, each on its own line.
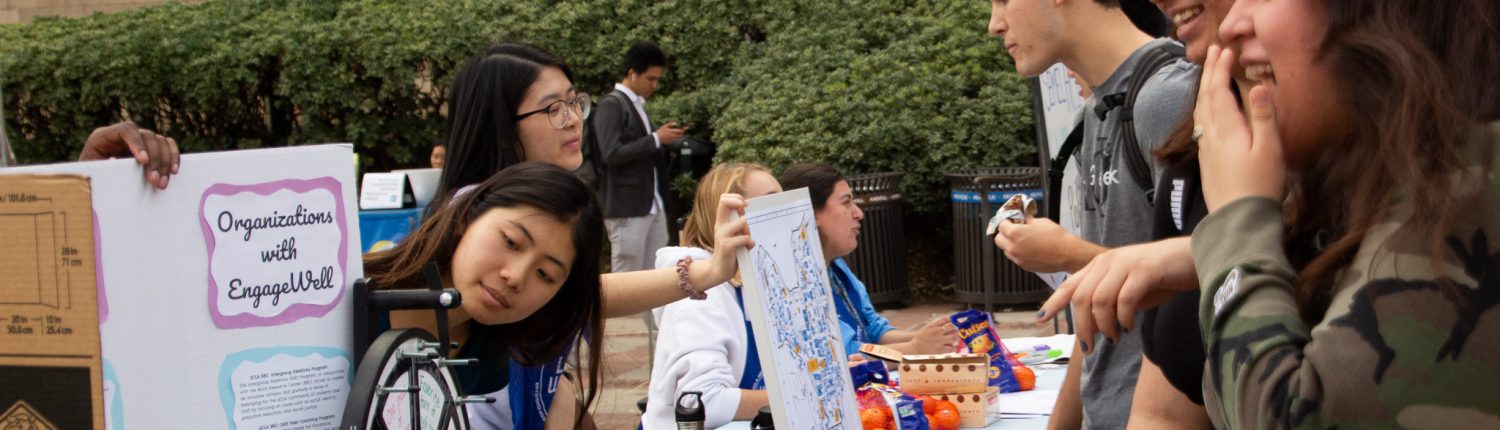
(707,345)
(516,102)
(838,220)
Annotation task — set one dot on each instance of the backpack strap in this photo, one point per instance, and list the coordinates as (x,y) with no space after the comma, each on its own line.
(1136,162)
(593,159)
(1055,172)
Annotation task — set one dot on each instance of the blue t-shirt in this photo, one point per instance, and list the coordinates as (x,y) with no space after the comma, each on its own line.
(858,322)
(529,388)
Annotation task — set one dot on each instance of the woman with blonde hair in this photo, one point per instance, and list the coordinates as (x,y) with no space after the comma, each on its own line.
(707,345)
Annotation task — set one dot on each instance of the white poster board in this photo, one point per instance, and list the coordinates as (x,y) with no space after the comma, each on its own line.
(790,305)
(1058,107)
(222,299)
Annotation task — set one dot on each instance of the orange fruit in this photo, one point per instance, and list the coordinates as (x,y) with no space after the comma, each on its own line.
(873,419)
(943,420)
(944,405)
(930,420)
(929,404)
(1025,377)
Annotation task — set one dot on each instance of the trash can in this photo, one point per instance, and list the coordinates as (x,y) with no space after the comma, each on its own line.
(983,275)
(880,259)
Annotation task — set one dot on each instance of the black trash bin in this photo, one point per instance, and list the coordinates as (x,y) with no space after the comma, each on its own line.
(880,259)
(983,275)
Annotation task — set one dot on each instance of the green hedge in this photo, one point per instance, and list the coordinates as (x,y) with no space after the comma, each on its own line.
(866,85)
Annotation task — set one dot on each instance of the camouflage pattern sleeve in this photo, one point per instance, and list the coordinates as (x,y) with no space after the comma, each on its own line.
(1397,348)
(1252,332)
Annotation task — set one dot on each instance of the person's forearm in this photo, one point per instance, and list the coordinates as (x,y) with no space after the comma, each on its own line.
(1067,413)
(1158,405)
(905,347)
(1180,253)
(897,336)
(1079,254)
(630,293)
(564,410)
(750,403)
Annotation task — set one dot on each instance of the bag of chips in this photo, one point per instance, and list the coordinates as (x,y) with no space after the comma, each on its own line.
(978,334)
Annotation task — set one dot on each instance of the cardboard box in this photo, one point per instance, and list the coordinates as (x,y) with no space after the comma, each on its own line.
(945,374)
(50,372)
(975,410)
(882,352)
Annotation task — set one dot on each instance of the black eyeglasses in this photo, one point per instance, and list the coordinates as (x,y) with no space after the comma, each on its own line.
(559,112)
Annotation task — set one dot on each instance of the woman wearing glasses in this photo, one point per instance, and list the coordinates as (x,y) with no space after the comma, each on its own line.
(511,103)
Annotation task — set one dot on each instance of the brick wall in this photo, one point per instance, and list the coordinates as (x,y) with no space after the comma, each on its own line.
(23,11)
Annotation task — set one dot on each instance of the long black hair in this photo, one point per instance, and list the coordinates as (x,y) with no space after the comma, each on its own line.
(482,137)
(577,308)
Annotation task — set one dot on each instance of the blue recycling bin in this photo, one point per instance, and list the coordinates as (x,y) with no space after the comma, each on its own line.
(387,225)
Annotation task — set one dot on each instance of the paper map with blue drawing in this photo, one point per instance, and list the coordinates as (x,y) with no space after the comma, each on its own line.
(790,306)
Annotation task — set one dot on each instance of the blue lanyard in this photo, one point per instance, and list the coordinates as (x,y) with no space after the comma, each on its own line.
(859,319)
(752,378)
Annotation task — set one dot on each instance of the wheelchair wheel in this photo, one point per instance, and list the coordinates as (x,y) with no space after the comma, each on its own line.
(402,383)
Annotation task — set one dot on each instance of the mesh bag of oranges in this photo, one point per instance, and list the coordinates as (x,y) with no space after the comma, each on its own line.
(881,406)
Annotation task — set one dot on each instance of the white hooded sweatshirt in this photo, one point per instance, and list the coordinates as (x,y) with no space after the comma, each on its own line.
(701,346)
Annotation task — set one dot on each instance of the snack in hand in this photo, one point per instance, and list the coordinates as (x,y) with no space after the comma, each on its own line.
(1016,210)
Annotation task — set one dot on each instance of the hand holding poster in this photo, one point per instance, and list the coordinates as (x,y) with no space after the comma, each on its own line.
(790,306)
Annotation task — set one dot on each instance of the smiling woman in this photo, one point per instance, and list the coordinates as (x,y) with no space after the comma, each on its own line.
(1364,292)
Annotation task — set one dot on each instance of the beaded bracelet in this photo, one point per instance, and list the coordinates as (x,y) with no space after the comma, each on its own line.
(682,279)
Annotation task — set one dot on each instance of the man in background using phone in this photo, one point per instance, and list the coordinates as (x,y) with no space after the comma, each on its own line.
(635,167)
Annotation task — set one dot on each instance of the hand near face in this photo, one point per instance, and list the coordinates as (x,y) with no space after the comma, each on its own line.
(1239,159)
(1108,292)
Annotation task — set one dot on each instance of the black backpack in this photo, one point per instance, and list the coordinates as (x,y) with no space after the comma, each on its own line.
(1136,163)
(592,170)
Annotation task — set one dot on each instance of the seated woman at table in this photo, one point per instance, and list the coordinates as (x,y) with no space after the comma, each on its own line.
(838,220)
(707,345)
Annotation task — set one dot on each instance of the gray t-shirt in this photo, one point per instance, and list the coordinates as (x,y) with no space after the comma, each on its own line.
(1115,212)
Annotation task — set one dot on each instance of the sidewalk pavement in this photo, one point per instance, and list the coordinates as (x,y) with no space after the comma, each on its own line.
(626,375)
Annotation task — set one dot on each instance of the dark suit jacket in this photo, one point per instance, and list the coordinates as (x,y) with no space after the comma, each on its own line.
(630,156)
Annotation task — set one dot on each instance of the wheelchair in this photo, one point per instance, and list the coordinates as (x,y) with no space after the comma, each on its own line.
(404,378)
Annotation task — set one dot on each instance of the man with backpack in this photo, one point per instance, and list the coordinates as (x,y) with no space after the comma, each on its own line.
(632,180)
(1141,88)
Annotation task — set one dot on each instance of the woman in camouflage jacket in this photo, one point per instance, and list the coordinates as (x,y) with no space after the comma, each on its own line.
(1349,278)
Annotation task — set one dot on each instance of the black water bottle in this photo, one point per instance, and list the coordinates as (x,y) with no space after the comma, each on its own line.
(763,420)
(690,411)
